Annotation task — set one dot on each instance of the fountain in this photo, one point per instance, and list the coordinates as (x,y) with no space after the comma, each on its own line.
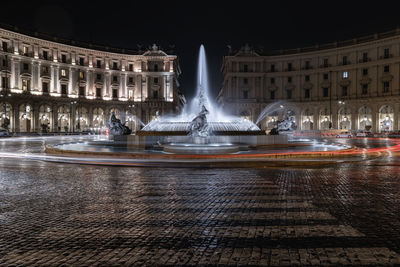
(203,128)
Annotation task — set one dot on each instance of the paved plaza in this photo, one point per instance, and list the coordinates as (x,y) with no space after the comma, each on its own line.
(54,214)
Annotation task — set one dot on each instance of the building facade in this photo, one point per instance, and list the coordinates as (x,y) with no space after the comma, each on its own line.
(53,85)
(352,85)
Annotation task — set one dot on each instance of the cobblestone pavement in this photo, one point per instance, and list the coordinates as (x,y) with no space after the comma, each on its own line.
(72,215)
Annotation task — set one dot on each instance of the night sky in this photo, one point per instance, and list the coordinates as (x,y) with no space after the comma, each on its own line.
(191,23)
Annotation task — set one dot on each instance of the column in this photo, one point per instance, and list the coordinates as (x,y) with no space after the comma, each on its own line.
(354,116)
(36,124)
(147,87)
(16,118)
(396,117)
(71,81)
(55,118)
(35,76)
(122,86)
(106,84)
(15,71)
(89,83)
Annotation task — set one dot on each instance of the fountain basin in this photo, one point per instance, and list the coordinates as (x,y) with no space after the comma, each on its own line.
(200,149)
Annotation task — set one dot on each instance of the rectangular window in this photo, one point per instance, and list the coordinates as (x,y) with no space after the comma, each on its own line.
(64,58)
(156,67)
(130,94)
(245,68)
(307,65)
(289,94)
(245,80)
(272,80)
(25,50)
(130,80)
(386,53)
(130,67)
(115,93)
(45,70)
(345,60)
(345,75)
(386,87)
(5,47)
(26,66)
(289,67)
(45,87)
(98,92)
(45,55)
(365,57)
(365,72)
(326,76)
(326,63)
(98,64)
(81,61)
(81,91)
(81,76)
(63,73)
(272,68)
(115,79)
(307,78)
(364,89)
(63,89)
(325,92)
(98,76)
(245,94)
(289,79)
(386,68)
(272,95)
(115,66)
(344,91)
(155,93)
(307,93)
(5,63)
(155,80)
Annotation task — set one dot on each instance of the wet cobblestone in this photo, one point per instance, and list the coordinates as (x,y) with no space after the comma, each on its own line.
(71,215)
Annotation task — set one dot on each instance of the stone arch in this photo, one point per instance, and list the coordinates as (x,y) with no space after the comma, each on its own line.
(365,118)
(386,118)
(344,118)
(307,119)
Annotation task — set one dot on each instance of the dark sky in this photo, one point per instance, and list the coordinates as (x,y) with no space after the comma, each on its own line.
(187,24)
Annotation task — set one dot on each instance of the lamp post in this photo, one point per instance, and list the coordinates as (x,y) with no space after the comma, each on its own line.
(130,119)
(73,103)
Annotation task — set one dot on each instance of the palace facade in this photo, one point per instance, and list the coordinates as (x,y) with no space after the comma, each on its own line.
(53,85)
(353,85)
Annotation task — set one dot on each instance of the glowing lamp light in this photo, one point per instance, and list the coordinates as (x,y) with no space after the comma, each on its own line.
(387,118)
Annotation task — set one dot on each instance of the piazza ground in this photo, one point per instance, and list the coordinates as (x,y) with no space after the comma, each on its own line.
(55,214)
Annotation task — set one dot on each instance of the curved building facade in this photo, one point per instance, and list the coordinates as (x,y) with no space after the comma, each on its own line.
(352,85)
(53,85)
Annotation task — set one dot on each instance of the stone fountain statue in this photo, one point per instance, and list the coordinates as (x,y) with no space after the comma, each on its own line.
(118,128)
(199,125)
(287,124)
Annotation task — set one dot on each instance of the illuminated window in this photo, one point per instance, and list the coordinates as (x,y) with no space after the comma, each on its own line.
(130,94)
(24,85)
(63,73)
(81,74)
(345,75)
(25,50)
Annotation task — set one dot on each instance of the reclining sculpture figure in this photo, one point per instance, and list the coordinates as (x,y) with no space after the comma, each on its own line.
(118,128)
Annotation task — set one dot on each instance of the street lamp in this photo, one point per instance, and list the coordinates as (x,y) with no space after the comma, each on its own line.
(130,119)
(73,117)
